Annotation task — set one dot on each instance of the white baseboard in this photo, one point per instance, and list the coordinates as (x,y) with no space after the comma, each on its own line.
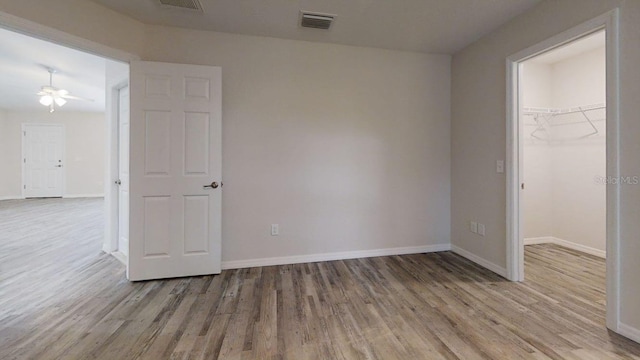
(567,244)
(18,197)
(480,261)
(539,240)
(120,256)
(297,259)
(76,196)
(629,332)
(579,247)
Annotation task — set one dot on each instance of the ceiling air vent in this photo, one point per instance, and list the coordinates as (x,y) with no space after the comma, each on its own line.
(193,5)
(316,21)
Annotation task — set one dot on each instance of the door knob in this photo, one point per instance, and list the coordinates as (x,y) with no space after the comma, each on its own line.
(58,165)
(213,185)
(118,182)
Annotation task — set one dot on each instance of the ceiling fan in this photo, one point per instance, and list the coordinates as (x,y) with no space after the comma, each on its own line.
(51,95)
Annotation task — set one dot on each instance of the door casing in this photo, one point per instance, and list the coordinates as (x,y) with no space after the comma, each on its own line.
(110,244)
(123,174)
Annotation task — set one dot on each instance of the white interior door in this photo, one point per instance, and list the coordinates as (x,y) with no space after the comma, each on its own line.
(175,151)
(123,170)
(43,148)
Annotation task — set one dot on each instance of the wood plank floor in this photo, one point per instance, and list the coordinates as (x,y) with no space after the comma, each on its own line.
(61,298)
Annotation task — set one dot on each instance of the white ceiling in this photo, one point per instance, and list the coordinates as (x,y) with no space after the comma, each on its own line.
(574,48)
(22,69)
(430,26)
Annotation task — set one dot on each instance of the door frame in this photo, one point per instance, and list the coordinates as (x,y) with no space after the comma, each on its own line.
(515,238)
(63,181)
(113,164)
(55,36)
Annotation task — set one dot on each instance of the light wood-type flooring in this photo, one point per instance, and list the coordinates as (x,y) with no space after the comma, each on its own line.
(61,298)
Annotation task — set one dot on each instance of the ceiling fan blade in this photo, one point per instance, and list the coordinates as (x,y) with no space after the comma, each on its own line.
(71,97)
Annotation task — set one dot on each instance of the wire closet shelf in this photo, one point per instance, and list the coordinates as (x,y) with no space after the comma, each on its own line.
(544,118)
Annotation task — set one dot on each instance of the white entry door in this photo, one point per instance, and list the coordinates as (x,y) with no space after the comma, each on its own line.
(123,170)
(43,149)
(176,179)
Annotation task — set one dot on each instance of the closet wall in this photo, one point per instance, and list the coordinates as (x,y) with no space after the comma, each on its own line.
(565,167)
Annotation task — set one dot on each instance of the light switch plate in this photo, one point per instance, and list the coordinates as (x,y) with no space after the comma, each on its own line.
(473,226)
(481,229)
(500,166)
(275,230)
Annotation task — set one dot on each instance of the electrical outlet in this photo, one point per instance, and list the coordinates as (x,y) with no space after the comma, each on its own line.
(473,227)
(481,229)
(500,166)
(275,230)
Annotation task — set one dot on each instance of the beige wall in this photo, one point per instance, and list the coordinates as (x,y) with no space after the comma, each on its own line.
(536,85)
(5,161)
(84,150)
(580,80)
(538,175)
(479,133)
(579,210)
(345,148)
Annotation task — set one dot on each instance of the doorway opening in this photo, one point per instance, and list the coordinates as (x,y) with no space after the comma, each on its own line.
(563,127)
(57,154)
(562,151)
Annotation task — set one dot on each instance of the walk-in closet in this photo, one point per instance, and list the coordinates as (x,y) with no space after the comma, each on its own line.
(564,149)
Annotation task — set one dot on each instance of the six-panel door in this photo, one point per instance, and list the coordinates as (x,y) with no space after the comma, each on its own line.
(43,146)
(175,130)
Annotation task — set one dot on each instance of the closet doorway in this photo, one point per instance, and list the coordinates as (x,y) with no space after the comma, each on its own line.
(564,199)
(566,108)
(563,126)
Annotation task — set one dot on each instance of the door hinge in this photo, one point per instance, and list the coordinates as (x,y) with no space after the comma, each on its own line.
(24,187)
(24,133)
(24,160)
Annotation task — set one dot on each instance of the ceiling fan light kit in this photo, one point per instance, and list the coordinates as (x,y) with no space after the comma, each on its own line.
(51,96)
(46,100)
